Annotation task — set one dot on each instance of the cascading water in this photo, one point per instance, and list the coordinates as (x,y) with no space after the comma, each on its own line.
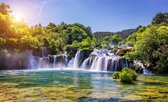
(104,60)
(86,63)
(70,63)
(98,60)
(106,65)
(100,63)
(43,62)
(77,60)
(114,63)
(32,61)
(54,57)
(145,71)
(93,66)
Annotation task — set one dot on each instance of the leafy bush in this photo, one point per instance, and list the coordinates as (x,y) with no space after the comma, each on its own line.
(126,75)
(116,75)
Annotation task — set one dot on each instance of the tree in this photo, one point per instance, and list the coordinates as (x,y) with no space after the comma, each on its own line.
(53,47)
(5,26)
(4,9)
(115,39)
(28,42)
(160,19)
(12,43)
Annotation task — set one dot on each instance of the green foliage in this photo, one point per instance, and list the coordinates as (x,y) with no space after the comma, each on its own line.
(126,75)
(86,44)
(131,39)
(162,63)
(116,75)
(105,45)
(103,42)
(123,34)
(115,39)
(103,34)
(53,47)
(160,19)
(28,42)
(130,72)
(151,46)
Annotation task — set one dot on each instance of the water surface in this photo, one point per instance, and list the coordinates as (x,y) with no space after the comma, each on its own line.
(78,86)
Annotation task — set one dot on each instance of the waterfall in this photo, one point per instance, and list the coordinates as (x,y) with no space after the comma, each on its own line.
(100,63)
(106,65)
(93,66)
(86,63)
(106,61)
(77,60)
(145,71)
(70,63)
(44,62)
(126,63)
(98,60)
(54,57)
(32,61)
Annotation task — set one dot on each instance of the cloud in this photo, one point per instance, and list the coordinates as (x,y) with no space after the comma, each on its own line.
(42,6)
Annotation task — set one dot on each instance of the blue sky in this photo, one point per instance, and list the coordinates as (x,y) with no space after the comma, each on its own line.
(100,15)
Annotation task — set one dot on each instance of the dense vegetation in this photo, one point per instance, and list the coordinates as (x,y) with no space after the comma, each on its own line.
(17,36)
(150,44)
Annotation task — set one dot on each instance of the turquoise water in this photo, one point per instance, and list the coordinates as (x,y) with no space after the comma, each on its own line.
(81,86)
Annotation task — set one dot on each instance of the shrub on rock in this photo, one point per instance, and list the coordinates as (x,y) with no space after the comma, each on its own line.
(127,75)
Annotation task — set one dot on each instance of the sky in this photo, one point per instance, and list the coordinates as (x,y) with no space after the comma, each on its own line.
(100,15)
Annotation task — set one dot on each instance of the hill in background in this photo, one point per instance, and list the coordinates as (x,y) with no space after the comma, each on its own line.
(123,34)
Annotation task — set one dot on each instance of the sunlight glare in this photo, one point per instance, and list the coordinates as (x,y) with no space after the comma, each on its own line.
(18,17)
